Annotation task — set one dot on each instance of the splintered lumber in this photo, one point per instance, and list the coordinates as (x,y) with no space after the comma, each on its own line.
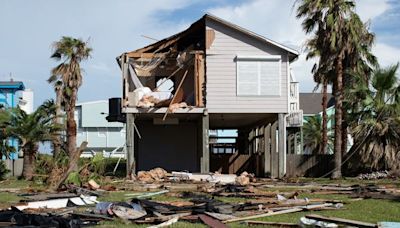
(292,210)
(211,222)
(278,224)
(176,92)
(341,221)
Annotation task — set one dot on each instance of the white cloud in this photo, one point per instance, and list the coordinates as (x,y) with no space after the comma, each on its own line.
(276,20)
(370,9)
(387,55)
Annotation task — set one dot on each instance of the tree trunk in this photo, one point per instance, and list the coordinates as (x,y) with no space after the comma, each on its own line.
(71,124)
(337,173)
(29,158)
(58,120)
(344,133)
(324,117)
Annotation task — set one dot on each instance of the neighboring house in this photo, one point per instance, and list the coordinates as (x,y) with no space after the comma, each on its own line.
(12,94)
(230,79)
(102,136)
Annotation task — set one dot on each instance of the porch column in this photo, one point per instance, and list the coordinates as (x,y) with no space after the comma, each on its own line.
(130,145)
(282,145)
(274,152)
(267,151)
(205,158)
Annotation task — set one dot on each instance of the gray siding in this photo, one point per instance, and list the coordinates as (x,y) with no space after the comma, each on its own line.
(221,73)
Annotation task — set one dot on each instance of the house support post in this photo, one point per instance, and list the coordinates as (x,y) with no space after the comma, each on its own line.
(205,158)
(274,151)
(281,145)
(267,151)
(130,145)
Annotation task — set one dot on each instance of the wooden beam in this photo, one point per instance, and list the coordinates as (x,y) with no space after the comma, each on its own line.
(130,145)
(281,145)
(274,154)
(176,92)
(267,151)
(205,157)
(144,55)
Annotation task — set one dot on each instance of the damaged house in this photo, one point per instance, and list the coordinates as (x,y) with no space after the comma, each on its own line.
(179,92)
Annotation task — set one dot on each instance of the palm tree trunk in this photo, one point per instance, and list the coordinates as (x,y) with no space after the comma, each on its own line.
(71,124)
(28,162)
(337,173)
(324,117)
(344,133)
(57,120)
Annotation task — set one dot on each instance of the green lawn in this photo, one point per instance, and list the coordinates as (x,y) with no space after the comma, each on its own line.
(368,210)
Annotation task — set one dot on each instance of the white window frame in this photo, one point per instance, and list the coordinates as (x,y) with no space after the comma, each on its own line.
(259,58)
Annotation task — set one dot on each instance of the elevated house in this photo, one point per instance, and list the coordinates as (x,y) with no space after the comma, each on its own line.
(221,77)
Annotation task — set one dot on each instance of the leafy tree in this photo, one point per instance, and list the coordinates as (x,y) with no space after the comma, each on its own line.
(30,129)
(71,52)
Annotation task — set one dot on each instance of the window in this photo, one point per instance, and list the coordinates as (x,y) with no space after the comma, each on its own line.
(258,75)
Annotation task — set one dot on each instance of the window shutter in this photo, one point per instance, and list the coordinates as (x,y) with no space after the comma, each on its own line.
(270,77)
(258,76)
(247,78)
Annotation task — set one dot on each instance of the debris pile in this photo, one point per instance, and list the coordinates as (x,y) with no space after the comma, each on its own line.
(374,175)
(213,199)
(154,175)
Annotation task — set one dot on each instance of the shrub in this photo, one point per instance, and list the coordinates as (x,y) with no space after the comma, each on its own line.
(3,170)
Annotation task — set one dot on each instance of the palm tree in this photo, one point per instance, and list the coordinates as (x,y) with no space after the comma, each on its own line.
(70,52)
(313,139)
(334,32)
(58,117)
(30,129)
(376,130)
(5,147)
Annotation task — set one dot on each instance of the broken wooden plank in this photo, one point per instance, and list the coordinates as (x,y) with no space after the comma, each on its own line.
(211,222)
(286,211)
(220,216)
(341,221)
(167,223)
(292,210)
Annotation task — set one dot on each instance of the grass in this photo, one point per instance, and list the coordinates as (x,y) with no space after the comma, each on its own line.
(367,210)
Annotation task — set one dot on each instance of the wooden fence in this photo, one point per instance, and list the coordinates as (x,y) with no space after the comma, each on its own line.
(299,165)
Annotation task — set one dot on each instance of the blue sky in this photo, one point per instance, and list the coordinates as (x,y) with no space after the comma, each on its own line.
(28,28)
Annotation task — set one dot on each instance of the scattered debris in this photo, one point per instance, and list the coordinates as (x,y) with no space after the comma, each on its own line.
(59,203)
(346,222)
(156,174)
(93,185)
(374,175)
